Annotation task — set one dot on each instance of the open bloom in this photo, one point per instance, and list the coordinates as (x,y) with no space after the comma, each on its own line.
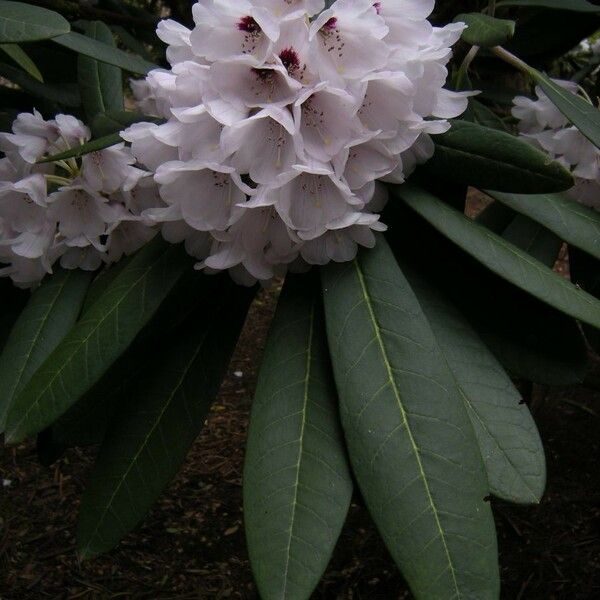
(543,125)
(82,213)
(281,117)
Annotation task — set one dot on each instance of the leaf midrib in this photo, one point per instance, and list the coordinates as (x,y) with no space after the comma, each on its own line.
(300,447)
(404,415)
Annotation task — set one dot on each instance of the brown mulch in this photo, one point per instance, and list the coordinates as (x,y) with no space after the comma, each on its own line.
(192,543)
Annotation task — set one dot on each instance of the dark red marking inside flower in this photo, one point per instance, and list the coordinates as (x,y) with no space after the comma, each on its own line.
(289,58)
(249,25)
(263,74)
(377,7)
(331,24)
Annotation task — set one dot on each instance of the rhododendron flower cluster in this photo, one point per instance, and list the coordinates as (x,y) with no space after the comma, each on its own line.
(82,213)
(281,116)
(544,125)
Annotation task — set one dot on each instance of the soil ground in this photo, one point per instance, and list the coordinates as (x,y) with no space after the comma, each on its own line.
(192,543)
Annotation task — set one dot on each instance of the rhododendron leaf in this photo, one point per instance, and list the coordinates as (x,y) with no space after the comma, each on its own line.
(492,159)
(510,443)
(297,484)
(64,94)
(503,258)
(21,22)
(100,84)
(98,144)
(150,435)
(85,423)
(483,30)
(104,53)
(571,221)
(482,115)
(96,341)
(572,5)
(48,317)
(22,59)
(534,238)
(536,342)
(410,439)
(585,116)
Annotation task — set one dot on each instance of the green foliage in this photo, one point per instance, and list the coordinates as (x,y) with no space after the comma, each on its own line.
(22,59)
(48,317)
(496,160)
(395,371)
(102,335)
(104,53)
(485,31)
(503,258)
(169,401)
(22,22)
(297,483)
(571,221)
(409,436)
(100,84)
(508,438)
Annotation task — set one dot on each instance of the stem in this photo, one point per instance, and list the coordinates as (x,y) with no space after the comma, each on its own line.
(511,59)
(492,8)
(464,67)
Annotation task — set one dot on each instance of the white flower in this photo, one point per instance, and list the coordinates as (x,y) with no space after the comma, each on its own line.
(543,125)
(82,212)
(281,116)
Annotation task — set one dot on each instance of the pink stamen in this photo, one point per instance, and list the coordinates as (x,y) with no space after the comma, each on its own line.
(377,7)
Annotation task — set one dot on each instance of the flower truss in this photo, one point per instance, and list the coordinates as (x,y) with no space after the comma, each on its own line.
(82,213)
(544,125)
(281,116)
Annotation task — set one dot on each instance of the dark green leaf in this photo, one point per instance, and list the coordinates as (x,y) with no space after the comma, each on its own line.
(93,146)
(482,115)
(576,224)
(297,484)
(572,5)
(100,84)
(85,423)
(104,333)
(65,94)
(502,257)
(149,438)
(411,443)
(535,239)
(510,444)
(535,342)
(104,53)
(485,31)
(22,59)
(492,159)
(46,320)
(21,22)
